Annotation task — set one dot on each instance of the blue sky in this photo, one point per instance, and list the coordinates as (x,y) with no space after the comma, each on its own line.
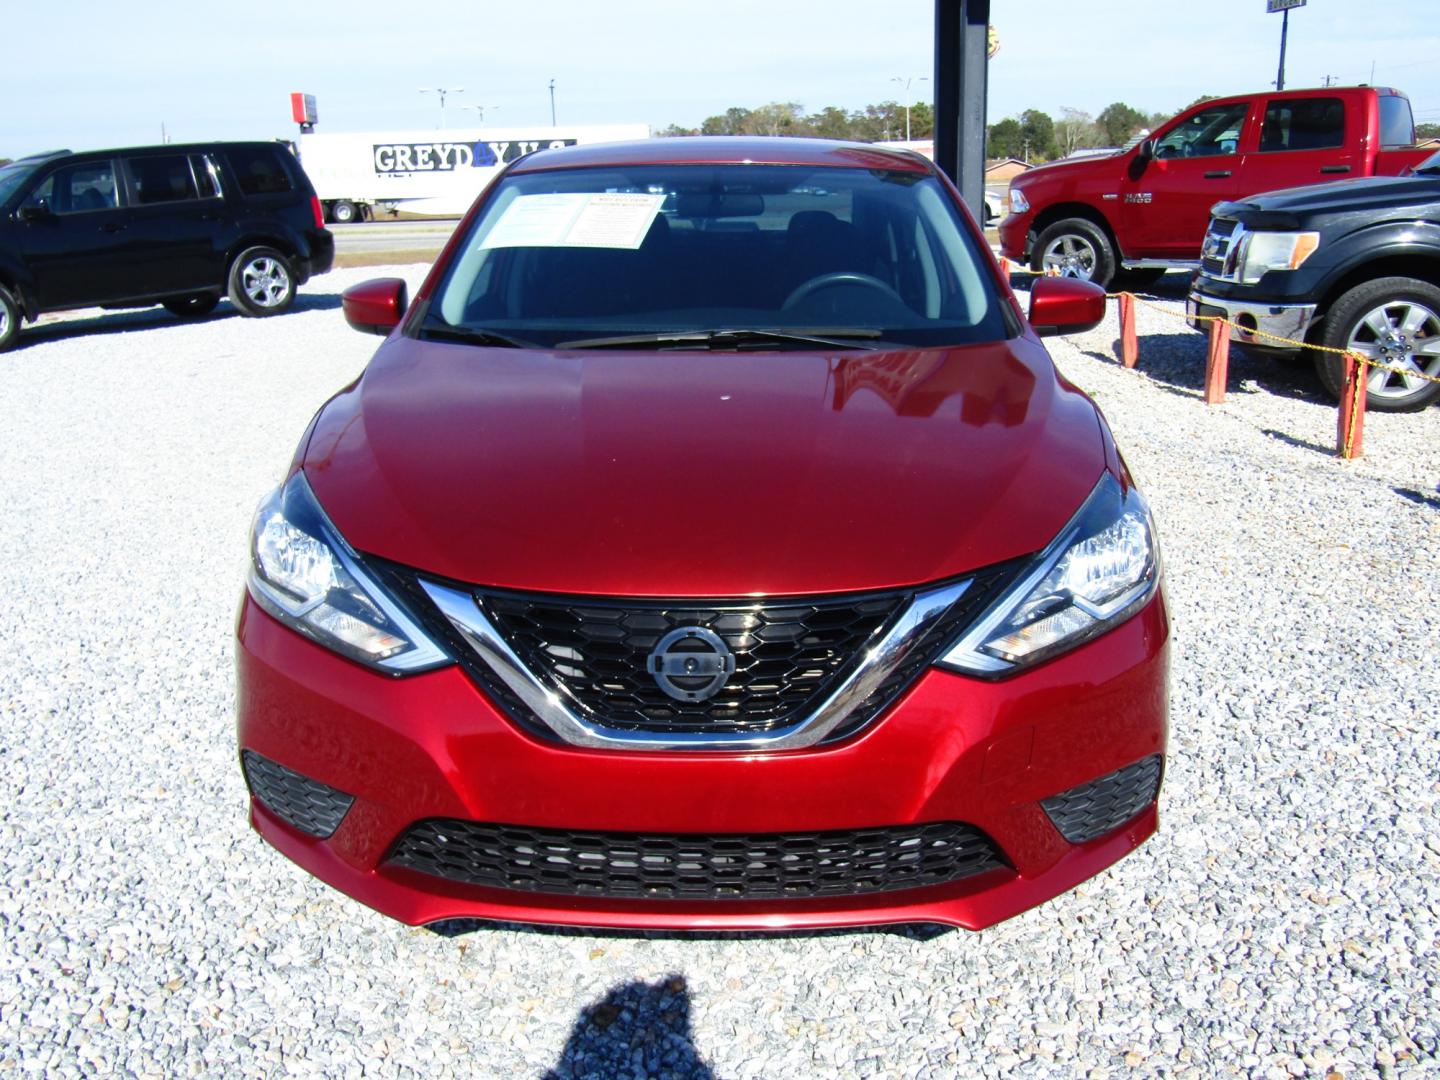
(102,75)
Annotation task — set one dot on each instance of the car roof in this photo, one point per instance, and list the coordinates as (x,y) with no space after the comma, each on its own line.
(725,150)
(159,148)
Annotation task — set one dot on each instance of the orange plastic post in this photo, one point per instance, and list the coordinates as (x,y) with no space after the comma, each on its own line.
(1217,363)
(1350,436)
(1129,346)
(1004,266)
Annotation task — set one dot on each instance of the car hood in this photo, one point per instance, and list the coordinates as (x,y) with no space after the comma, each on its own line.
(703,473)
(1375,193)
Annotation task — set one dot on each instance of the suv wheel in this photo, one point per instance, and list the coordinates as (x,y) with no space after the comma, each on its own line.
(261,282)
(1395,321)
(9,319)
(192,306)
(1077,248)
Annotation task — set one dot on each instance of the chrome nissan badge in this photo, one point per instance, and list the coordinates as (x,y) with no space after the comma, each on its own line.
(691,663)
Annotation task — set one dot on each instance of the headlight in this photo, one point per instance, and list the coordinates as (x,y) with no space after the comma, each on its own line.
(304,573)
(1102,568)
(1018,203)
(1275,251)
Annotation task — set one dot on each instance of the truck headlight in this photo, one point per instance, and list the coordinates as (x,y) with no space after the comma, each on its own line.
(1102,568)
(1018,203)
(304,574)
(1265,251)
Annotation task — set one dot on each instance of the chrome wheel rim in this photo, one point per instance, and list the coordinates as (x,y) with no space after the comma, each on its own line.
(1072,255)
(265,281)
(4,322)
(1402,334)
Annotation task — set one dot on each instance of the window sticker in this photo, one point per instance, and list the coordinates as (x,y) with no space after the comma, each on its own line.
(600,220)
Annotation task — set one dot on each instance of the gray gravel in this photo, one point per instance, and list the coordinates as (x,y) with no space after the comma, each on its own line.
(1282,923)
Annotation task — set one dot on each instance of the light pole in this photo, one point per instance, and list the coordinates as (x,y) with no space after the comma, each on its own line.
(480,110)
(905,82)
(442,91)
(552,102)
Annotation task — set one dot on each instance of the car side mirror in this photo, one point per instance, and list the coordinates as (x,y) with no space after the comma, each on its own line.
(376,306)
(1065,306)
(1146,151)
(35,211)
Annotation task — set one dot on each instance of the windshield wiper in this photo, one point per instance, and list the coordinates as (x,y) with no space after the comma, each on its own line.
(831,337)
(469,335)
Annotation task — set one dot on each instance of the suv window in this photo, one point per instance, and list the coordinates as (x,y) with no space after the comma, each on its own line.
(162,179)
(259,170)
(1303,124)
(206,177)
(1209,133)
(76,189)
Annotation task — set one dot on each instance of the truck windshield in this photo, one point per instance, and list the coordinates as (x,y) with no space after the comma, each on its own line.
(764,254)
(12,179)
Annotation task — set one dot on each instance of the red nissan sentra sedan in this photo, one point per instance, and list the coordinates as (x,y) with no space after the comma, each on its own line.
(711,544)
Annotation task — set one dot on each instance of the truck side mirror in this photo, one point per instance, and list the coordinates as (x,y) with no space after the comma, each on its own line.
(35,211)
(375,307)
(1146,151)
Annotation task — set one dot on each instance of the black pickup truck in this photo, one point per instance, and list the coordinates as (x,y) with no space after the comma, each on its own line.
(1351,265)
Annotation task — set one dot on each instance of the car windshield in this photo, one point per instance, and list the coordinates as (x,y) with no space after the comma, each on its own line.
(719,256)
(1430,166)
(12,178)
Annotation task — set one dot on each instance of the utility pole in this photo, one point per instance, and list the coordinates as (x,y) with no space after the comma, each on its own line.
(552,102)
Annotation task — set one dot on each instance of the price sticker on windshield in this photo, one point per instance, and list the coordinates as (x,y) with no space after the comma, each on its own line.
(592,220)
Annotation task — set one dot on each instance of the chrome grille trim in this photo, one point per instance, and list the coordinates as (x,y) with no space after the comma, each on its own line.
(573,724)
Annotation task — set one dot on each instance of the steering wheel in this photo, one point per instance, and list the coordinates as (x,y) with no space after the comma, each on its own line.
(839,277)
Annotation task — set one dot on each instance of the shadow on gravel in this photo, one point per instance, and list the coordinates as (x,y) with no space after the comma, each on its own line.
(1176,362)
(1418,497)
(1291,440)
(452,928)
(638,1029)
(132,319)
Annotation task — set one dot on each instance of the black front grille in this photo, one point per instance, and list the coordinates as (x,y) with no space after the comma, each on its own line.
(1093,809)
(787,654)
(309,805)
(661,866)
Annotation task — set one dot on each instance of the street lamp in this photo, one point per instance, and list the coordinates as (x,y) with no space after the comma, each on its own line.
(480,109)
(442,91)
(905,82)
(552,102)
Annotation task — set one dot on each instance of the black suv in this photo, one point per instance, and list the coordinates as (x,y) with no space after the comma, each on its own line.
(175,225)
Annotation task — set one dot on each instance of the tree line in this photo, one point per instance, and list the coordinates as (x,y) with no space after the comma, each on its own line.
(1032,136)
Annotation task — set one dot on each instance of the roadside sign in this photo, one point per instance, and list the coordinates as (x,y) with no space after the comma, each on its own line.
(1272,6)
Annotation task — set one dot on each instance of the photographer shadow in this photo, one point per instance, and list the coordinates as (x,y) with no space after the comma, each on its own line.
(637,1028)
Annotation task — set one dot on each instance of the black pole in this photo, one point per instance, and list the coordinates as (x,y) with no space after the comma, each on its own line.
(1284,30)
(961,41)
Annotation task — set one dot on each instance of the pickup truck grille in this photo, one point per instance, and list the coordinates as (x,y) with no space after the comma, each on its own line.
(1218,255)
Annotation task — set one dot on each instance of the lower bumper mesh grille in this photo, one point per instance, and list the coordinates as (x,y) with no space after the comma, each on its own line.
(1093,809)
(658,866)
(308,805)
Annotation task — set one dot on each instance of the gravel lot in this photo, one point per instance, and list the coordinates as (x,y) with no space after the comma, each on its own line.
(1282,923)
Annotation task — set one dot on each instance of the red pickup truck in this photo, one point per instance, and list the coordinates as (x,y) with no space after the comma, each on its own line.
(1144,210)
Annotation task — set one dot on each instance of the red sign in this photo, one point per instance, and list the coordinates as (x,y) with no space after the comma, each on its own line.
(302,108)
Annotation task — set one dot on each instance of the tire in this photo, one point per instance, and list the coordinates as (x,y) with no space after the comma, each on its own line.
(343,212)
(193,306)
(261,282)
(1396,320)
(9,319)
(1079,248)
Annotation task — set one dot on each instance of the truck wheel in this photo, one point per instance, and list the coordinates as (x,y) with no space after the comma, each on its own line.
(343,212)
(1395,321)
(261,282)
(192,306)
(1077,248)
(9,319)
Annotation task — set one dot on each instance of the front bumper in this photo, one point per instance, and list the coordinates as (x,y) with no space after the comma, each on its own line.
(1014,233)
(1254,323)
(952,749)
